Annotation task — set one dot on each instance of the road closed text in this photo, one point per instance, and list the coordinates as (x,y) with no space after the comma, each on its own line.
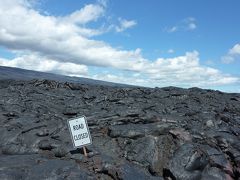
(80,136)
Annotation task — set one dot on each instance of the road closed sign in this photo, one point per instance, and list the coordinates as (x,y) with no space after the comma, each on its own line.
(79,132)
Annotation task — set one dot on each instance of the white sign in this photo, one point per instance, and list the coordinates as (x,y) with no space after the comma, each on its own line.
(80,132)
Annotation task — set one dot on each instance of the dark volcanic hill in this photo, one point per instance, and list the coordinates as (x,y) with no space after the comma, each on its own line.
(23,74)
(137,133)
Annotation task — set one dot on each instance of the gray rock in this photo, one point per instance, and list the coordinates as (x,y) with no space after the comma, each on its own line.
(138,133)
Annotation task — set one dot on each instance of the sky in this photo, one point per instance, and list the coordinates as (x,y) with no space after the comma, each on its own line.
(154,43)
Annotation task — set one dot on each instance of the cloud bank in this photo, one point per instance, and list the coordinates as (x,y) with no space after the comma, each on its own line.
(66,45)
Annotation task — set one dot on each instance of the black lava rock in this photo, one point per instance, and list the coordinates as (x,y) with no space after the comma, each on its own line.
(137,133)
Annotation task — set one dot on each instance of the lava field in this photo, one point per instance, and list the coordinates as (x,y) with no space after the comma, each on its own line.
(137,133)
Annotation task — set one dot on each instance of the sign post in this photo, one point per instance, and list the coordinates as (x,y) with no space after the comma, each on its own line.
(84,151)
(80,133)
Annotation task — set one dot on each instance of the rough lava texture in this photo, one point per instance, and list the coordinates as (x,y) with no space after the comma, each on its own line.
(138,133)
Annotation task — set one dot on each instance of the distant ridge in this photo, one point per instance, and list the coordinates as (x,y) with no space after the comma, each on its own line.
(23,74)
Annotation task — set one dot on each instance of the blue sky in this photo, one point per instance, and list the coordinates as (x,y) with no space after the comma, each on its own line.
(150,43)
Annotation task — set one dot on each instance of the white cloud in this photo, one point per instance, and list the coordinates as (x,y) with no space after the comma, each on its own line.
(122,78)
(170,51)
(125,24)
(227,59)
(232,55)
(184,71)
(187,24)
(192,26)
(58,39)
(235,50)
(88,13)
(209,62)
(64,45)
(173,29)
(37,63)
